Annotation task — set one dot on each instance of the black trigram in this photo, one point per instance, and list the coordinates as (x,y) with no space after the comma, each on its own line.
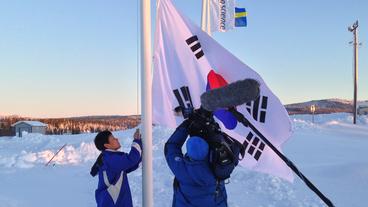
(258,108)
(184,99)
(253,146)
(195,46)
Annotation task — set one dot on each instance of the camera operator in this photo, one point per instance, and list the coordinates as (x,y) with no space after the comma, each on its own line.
(195,183)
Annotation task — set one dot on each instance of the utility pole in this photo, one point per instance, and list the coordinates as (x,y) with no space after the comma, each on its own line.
(313,109)
(354,30)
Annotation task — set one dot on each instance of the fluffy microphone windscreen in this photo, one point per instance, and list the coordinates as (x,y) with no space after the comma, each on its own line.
(231,95)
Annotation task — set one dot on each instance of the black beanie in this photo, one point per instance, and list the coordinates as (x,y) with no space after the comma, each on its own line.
(101,139)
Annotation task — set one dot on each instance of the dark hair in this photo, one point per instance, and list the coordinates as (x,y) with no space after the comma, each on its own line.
(101,139)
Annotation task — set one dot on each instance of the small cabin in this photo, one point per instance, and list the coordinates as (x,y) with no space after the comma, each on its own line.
(29,127)
(363,110)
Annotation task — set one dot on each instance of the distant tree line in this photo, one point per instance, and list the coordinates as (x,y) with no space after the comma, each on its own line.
(76,125)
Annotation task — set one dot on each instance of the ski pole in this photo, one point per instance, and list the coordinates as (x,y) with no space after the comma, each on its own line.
(55,155)
(240,117)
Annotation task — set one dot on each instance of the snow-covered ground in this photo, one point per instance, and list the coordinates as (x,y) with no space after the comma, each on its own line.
(332,153)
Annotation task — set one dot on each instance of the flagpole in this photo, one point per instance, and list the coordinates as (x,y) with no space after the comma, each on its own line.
(146,108)
(204,15)
(208,20)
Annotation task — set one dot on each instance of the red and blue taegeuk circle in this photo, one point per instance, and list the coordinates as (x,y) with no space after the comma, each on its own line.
(215,80)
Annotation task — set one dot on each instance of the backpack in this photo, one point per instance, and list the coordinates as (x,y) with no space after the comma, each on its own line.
(96,166)
(224,154)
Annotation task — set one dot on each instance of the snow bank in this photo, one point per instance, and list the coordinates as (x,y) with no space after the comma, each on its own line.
(36,149)
(331,152)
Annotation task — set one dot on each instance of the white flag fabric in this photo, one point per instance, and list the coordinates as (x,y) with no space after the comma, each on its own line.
(187,59)
(222,15)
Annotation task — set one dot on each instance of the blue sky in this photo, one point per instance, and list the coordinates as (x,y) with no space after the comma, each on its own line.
(72,58)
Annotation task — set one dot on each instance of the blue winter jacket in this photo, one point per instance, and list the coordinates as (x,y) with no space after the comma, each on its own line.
(113,187)
(195,183)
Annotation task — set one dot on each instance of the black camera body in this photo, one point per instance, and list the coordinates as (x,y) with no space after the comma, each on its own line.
(224,150)
(203,124)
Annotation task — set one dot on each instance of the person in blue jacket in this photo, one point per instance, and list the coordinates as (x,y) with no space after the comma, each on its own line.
(112,168)
(194,183)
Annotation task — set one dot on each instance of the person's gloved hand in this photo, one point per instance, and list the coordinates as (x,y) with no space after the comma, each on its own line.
(137,135)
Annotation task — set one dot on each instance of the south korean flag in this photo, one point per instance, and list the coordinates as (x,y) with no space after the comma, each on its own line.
(188,59)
